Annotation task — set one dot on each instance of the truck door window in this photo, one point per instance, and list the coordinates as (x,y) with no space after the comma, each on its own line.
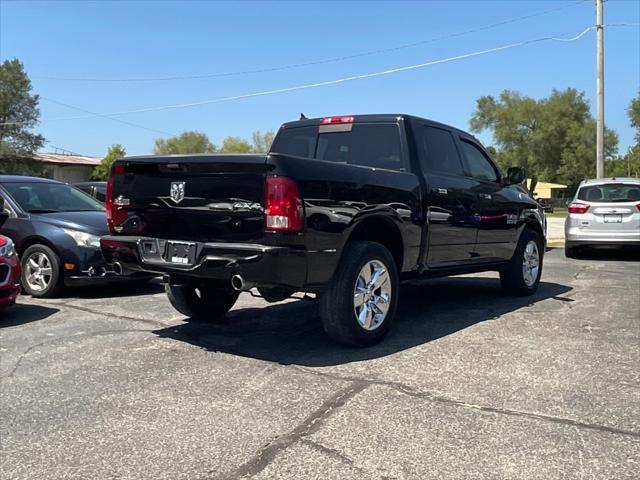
(438,152)
(297,141)
(477,164)
(367,144)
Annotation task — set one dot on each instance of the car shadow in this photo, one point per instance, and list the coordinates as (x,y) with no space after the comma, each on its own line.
(116,289)
(20,313)
(291,333)
(612,254)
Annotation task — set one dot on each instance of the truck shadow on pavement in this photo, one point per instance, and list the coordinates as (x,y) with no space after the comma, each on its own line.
(20,314)
(291,334)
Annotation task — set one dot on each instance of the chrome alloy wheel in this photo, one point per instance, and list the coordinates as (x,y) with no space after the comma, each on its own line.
(38,271)
(372,295)
(530,263)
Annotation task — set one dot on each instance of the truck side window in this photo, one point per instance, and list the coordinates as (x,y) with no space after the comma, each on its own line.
(477,164)
(297,141)
(367,144)
(439,153)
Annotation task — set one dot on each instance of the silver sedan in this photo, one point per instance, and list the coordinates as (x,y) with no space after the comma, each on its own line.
(603,212)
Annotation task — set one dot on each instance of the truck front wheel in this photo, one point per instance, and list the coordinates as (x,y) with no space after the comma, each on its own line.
(359,304)
(202,300)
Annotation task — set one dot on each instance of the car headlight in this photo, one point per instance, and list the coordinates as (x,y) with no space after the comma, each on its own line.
(7,250)
(83,239)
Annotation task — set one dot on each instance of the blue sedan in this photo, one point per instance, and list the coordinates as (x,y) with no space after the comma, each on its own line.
(56,230)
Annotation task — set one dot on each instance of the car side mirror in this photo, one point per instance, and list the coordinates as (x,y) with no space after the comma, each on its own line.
(515,175)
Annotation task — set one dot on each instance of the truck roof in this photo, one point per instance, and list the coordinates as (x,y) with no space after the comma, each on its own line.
(374,117)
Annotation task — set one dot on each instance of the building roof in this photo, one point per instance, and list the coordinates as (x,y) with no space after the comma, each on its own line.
(546,184)
(60,159)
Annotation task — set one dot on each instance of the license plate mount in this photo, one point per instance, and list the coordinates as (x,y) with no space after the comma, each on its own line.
(613,219)
(181,253)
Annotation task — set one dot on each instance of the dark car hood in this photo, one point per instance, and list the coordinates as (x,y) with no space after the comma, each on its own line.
(90,222)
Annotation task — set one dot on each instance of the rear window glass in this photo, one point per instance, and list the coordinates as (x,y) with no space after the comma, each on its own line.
(367,144)
(299,142)
(440,153)
(610,192)
(42,197)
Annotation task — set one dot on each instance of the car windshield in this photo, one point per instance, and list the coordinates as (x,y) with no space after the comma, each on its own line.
(610,192)
(44,197)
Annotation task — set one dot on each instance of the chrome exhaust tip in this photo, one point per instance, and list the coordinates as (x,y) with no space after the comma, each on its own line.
(117,268)
(240,285)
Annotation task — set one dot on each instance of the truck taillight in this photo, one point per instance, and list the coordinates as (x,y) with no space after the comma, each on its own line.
(578,208)
(283,207)
(116,216)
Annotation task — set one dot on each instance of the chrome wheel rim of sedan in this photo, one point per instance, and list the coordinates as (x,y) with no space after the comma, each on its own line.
(372,295)
(530,263)
(38,271)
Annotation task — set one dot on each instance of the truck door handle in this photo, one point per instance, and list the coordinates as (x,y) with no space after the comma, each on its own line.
(485,196)
(440,191)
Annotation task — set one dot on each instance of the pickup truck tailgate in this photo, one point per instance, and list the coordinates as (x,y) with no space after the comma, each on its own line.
(196,197)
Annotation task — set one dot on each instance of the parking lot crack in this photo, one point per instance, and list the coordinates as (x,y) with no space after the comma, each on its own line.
(65,338)
(411,391)
(155,323)
(309,425)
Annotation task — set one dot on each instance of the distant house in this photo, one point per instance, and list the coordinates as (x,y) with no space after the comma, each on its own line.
(553,191)
(63,167)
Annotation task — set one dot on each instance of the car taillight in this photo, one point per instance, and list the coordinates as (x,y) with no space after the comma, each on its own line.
(283,208)
(335,120)
(638,206)
(116,215)
(578,208)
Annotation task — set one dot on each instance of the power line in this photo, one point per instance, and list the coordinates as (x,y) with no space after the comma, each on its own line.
(333,82)
(326,83)
(94,114)
(316,62)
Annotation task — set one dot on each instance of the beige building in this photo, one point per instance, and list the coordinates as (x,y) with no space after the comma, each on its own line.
(548,190)
(63,167)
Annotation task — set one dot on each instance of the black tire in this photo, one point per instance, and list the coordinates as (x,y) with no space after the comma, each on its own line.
(337,310)
(513,277)
(202,300)
(571,252)
(55,284)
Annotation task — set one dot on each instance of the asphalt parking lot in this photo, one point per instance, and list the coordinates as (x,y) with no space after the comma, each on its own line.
(112,383)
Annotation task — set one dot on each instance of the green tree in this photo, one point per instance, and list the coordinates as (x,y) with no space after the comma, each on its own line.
(186,142)
(634,116)
(235,145)
(101,172)
(262,141)
(18,112)
(554,137)
(629,165)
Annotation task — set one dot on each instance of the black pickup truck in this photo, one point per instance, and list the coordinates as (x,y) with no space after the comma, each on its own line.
(345,207)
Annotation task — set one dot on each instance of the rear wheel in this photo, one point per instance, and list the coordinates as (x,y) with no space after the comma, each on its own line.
(202,300)
(360,303)
(522,276)
(41,275)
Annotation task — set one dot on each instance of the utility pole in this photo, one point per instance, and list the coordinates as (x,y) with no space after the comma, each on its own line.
(600,89)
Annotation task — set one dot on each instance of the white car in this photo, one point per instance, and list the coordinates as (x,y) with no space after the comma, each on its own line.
(604,212)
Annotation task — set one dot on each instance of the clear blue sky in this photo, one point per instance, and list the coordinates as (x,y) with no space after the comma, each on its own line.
(161,38)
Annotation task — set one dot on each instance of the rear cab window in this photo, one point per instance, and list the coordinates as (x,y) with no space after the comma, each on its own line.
(437,151)
(376,145)
(610,192)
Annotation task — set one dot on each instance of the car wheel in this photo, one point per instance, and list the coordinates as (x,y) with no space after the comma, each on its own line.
(359,304)
(41,275)
(522,276)
(202,300)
